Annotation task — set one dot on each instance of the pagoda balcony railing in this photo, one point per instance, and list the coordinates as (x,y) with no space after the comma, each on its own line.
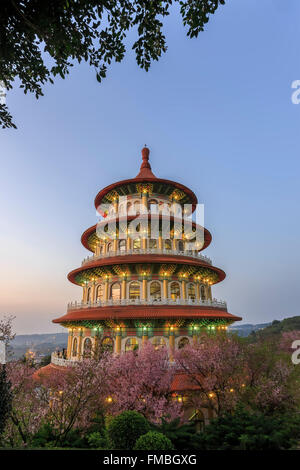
(125,302)
(148,251)
(59,361)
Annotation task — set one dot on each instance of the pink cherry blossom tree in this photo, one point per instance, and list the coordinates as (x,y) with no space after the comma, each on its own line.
(141,381)
(27,411)
(216,367)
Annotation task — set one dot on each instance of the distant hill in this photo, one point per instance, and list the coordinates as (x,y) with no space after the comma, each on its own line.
(277,327)
(247,328)
(42,344)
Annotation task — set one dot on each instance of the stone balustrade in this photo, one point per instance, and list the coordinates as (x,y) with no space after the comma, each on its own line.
(149,251)
(59,361)
(125,302)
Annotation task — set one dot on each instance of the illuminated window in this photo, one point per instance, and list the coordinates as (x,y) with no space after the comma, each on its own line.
(159,342)
(175,290)
(168,244)
(115,291)
(87,347)
(134,290)
(100,292)
(137,244)
(107,344)
(122,245)
(155,290)
(202,293)
(152,243)
(129,208)
(131,344)
(152,206)
(180,245)
(191,292)
(137,207)
(183,342)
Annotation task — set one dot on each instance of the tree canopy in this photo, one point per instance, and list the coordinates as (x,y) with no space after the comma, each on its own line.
(40,40)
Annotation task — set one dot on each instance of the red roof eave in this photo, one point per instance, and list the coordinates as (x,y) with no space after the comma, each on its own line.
(145,311)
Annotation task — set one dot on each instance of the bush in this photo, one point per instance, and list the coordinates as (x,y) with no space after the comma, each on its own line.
(47,437)
(153,441)
(97,440)
(248,431)
(126,428)
(181,435)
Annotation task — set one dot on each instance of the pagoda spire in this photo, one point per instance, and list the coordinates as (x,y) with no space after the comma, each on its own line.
(145,170)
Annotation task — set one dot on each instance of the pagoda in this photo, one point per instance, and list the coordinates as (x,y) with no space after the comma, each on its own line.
(145,280)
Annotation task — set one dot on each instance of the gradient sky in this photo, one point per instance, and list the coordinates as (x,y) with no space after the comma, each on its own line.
(217,115)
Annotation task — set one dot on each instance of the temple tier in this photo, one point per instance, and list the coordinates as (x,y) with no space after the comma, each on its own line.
(145,280)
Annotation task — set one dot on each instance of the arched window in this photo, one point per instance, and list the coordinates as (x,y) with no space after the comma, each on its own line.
(183,342)
(88,295)
(109,247)
(134,290)
(115,291)
(155,290)
(131,344)
(100,292)
(152,206)
(122,245)
(180,245)
(152,243)
(158,342)
(107,344)
(175,290)
(74,349)
(168,244)
(87,347)
(202,293)
(137,244)
(137,207)
(101,249)
(128,208)
(191,291)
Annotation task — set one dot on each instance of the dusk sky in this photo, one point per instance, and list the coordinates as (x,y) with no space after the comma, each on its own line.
(217,115)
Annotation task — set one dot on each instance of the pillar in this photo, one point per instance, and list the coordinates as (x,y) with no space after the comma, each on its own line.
(96,343)
(118,341)
(172,344)
(123,289)
(160,242)
(183,290)
(106,291)
(79,350)
(83,294)
(174,244)
(128,242)
(115,244)
(144,289)
(165,288)
(116,207)
(144,209)
(144,337)
(198,291)
(195,338)
(93,289)
(70,342)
